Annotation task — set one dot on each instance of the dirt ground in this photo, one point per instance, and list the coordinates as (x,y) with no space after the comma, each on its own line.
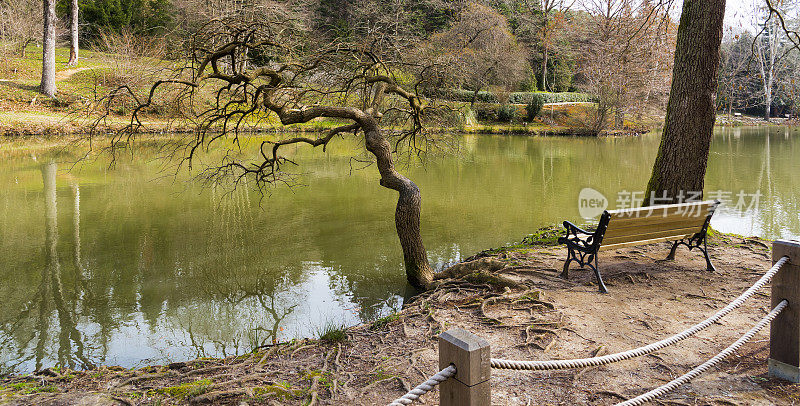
(537,317)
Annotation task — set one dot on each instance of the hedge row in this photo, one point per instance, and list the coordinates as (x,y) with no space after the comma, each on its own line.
(545,97)
(520,97)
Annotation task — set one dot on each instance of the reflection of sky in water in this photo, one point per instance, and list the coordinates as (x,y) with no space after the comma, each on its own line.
(145,271)
(729,220)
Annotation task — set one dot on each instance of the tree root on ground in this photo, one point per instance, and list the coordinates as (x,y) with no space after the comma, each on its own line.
(142,378)
(464,268)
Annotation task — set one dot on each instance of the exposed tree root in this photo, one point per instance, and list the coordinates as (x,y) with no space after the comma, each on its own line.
(464,268)
(216,396)
(142,378)
(207,370)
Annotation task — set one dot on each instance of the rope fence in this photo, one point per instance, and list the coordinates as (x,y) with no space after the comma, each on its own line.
(663,389)
(424,387)
(464,357)
(638,352)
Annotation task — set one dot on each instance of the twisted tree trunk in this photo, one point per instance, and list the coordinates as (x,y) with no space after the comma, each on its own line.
(409,204)
(680,166)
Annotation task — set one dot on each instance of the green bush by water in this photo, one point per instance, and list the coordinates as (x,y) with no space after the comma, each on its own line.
(505,113)
(533,108)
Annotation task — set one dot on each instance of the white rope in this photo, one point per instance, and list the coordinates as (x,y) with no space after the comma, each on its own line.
(653,394)
(637,352)
(425,387)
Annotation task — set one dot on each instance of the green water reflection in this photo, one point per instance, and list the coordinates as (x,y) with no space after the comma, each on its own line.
(126,266)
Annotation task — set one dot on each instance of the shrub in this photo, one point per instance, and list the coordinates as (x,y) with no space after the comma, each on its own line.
(533,108)
(486,112)
(505,113)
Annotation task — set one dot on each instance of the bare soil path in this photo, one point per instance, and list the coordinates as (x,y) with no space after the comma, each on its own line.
(67,73)
(539,317)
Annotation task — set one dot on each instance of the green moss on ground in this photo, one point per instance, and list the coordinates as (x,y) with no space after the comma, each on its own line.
(27,388)
(281,390)
(186,390)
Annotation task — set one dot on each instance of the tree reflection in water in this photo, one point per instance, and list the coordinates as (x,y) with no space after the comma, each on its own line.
(147,272)
(68,344)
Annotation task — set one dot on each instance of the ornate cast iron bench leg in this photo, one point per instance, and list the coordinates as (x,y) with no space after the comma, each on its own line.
(584,250)
(696,241)
(601,286)
(565,272)
(584,259)
(709,265)
(671,256)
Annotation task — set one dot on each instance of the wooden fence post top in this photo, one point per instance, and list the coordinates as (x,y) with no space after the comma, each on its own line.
(786,248)
(469,353)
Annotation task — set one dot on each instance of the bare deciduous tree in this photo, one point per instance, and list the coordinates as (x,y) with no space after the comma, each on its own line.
(20,23)
(478,51)
(625,60)
(273,70)
(547,18)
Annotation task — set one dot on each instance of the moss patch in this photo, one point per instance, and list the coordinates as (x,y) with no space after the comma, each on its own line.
(30,387)
(281,390)
(186,390)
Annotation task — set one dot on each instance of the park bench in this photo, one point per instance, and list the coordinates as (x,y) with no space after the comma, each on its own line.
(685,224)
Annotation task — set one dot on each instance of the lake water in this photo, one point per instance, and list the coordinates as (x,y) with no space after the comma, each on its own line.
(128,266)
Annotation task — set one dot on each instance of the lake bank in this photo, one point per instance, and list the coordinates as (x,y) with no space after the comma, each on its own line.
(51,123)
(43,123)
(540,317)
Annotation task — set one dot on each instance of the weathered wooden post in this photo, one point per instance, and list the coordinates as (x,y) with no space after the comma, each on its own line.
(784,337)
(470,355)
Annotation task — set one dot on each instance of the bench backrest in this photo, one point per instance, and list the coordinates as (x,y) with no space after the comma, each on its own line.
(645,225)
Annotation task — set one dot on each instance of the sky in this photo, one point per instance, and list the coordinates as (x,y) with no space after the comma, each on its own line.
(739,14)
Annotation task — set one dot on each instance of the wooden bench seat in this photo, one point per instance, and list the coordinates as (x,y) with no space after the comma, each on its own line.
(685,223)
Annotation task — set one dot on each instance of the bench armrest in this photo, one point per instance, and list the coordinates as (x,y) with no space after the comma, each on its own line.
(572,229)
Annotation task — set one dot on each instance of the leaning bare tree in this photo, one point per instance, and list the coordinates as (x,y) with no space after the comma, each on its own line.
(243,73)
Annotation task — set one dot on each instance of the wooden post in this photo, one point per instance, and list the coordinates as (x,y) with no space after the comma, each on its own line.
(784,338)
(470,355)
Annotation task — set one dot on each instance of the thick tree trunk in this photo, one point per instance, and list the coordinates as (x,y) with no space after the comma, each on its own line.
(407,215)
(680,166)
(48,84)
(73,31)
